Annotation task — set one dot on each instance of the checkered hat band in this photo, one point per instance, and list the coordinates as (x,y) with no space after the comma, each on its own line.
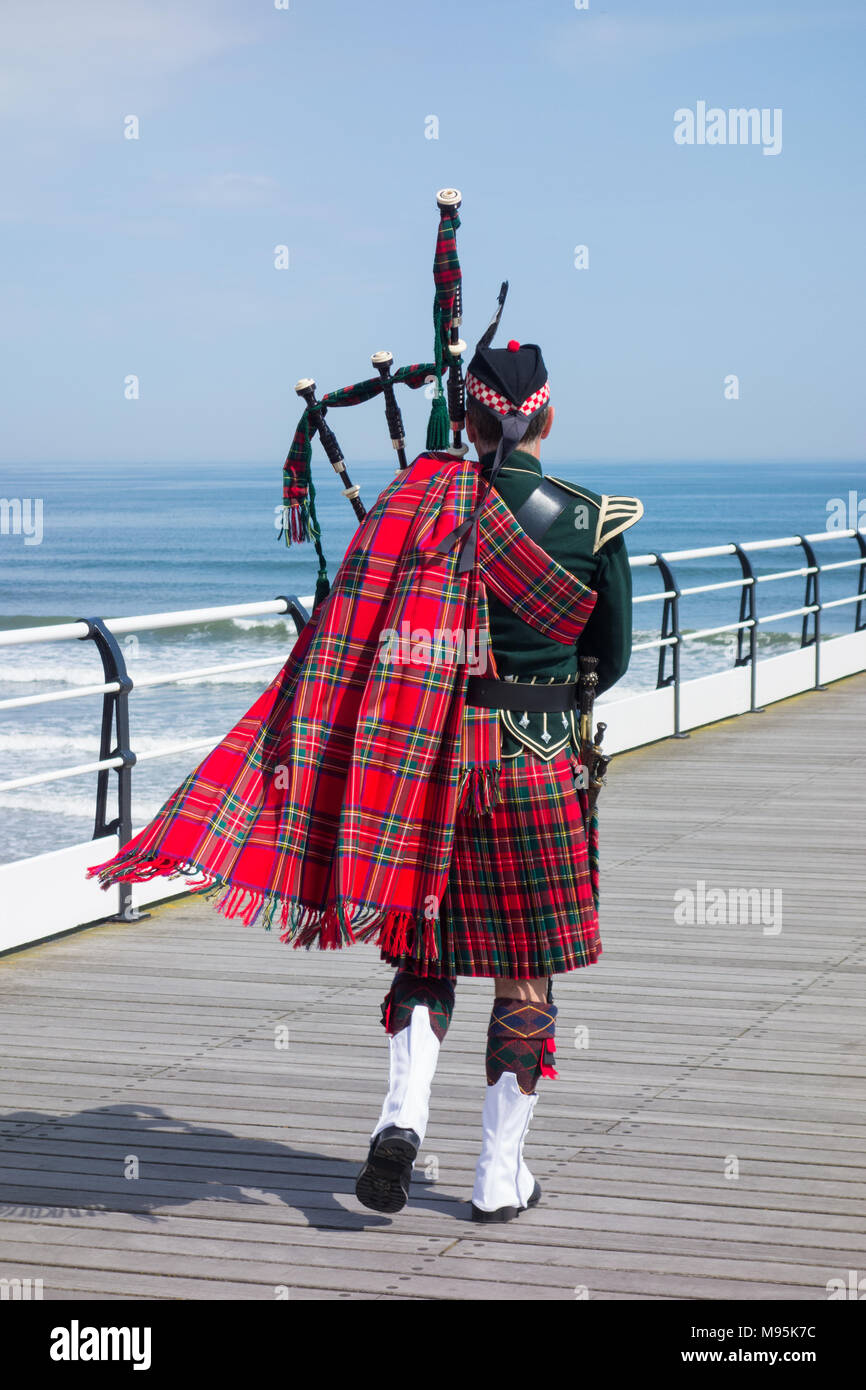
(487,396)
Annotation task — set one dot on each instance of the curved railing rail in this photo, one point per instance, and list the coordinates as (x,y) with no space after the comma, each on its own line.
(750,619)
(116,754)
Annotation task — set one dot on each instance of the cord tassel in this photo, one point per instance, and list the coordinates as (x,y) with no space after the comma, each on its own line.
(548,1049)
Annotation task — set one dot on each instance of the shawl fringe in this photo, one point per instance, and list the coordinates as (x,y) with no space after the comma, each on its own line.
(339,924)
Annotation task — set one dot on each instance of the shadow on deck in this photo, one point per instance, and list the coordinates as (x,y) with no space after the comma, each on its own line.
(704,1140)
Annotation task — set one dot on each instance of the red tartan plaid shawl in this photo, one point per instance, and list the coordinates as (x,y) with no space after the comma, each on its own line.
(331,804)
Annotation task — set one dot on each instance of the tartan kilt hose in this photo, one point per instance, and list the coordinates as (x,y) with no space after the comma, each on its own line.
(519,900)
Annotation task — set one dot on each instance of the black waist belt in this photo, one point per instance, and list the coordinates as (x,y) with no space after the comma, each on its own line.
(536,699)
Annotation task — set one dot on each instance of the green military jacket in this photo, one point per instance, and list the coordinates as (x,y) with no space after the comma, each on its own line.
(587,538)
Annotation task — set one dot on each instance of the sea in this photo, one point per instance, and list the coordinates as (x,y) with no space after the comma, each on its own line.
(112,540)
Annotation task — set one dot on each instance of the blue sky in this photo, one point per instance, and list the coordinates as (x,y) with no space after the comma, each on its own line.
(306,127)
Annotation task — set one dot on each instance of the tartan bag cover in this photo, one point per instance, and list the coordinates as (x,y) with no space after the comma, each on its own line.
(331,804)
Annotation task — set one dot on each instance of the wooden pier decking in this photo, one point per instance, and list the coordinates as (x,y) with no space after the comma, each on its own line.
(706,1143)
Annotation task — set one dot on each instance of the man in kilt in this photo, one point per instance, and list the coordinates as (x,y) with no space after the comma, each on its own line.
(521,899)
(413,804)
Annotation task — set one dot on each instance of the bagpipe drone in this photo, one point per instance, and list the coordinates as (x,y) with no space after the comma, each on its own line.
(299,518)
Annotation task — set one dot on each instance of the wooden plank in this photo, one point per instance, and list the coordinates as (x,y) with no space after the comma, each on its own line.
(237,1241)
(703,1042)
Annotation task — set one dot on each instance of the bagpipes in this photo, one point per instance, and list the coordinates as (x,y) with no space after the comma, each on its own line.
(299,520)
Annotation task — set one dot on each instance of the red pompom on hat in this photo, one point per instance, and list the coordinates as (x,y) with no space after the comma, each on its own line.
(509,380)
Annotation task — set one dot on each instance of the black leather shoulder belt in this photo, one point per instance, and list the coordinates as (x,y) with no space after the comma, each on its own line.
(541,508)
(536,515)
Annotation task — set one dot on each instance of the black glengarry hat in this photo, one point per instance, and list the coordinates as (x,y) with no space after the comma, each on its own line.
(511,383)
(508,380)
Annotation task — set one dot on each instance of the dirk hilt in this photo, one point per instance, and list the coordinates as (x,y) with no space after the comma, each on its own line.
(306,389)
(382,361)
(448,201)
(588,687)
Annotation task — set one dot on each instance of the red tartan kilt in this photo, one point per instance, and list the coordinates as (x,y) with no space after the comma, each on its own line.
(519,899)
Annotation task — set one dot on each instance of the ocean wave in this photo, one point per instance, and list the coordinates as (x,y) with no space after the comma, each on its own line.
(260,677)
(33,673)
(23,741)
(267,627)
(273,623)
(766,638)
(55,675)
(22,620)
(17,620)
(47,800)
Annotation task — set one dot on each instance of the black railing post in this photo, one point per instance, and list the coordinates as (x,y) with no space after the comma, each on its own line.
(671,628)
(748,613)
(294,610)
(115,730)
(666,630)
(859,620)
(812,598)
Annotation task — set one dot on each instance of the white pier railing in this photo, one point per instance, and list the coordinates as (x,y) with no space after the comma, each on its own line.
(671,709)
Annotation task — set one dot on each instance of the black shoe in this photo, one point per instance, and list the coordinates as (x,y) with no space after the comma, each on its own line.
(383,1182)
(507,1213)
